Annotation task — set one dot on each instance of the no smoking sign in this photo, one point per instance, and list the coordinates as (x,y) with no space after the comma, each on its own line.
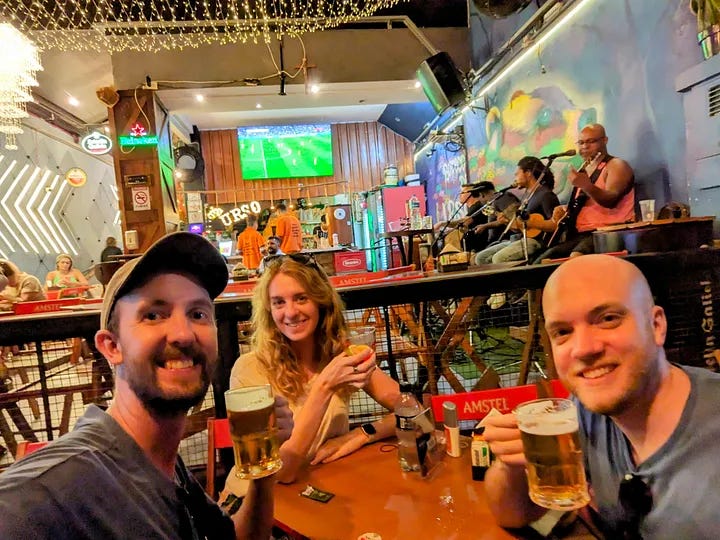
(141,198)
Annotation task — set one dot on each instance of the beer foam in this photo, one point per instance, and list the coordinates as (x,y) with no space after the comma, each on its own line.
(539,418)
(248,399)
(554,427)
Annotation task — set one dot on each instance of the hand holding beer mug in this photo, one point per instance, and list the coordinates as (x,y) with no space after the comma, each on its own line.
(251,415)
(555,469)
(360,338)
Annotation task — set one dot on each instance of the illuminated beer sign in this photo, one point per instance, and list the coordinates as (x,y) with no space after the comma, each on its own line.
(76,177)
(96,143)
(241,212)
(138,137)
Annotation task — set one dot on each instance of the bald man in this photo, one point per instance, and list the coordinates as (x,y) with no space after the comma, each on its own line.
(648,424)
(605,188)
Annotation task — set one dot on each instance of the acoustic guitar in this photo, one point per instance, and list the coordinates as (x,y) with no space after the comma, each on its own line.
(578,198)
(510,213)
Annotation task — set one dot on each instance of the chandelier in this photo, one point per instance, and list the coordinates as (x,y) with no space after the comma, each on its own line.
(142,25)
(18,64)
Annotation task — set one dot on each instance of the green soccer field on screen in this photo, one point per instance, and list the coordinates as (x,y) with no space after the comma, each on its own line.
(285,151)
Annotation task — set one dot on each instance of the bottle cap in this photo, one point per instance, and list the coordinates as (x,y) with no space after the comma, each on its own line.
(450,414)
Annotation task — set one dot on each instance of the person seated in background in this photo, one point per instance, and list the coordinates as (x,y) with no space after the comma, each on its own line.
(606,188)
(648,428)
(64,275)
(298,347)
(118,474)
(111,248)
(249,243)
(21,287)
(272,250)
(475,229)
(540,203)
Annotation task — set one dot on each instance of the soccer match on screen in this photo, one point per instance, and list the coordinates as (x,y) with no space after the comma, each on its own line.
(285,151)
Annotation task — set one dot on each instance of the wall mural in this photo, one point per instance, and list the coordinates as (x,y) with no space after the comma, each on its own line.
(445,172)
(537,122)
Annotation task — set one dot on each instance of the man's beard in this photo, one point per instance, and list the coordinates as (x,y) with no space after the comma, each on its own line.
(142,380)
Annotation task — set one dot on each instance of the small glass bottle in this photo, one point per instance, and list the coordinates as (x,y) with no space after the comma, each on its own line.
(480,454)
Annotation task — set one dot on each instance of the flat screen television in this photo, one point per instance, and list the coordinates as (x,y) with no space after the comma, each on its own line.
(285,151)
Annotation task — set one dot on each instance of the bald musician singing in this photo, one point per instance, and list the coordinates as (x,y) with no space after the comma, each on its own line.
(605,193)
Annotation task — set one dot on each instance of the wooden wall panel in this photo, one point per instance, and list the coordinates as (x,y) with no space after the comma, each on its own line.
(360,153)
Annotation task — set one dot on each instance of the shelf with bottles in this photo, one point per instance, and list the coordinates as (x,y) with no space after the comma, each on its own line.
(311,215)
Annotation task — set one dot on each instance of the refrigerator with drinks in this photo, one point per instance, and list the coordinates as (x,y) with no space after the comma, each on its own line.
(385,209)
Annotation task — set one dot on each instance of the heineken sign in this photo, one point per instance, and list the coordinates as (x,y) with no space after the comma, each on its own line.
(96,143)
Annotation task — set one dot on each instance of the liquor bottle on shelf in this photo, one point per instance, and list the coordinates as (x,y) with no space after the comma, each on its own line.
(415,216)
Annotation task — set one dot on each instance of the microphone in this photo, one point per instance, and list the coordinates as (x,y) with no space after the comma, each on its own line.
(566,153)
(503,190)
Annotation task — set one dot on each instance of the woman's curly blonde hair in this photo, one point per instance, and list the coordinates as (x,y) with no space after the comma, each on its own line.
(272,348)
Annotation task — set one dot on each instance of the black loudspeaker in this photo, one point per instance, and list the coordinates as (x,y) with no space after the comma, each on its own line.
(440,79)
(190,167)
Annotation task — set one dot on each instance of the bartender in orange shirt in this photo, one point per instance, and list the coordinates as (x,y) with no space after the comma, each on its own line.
(289,230)
(249,243)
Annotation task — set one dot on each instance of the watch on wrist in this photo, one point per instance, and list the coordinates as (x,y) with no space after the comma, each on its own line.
(369,430)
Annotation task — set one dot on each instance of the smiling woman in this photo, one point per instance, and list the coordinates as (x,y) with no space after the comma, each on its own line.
(299,349)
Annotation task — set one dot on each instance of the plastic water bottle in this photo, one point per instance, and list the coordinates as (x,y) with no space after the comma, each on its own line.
(415,217)
(406,408)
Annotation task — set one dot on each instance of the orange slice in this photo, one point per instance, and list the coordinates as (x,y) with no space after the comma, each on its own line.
(353,349)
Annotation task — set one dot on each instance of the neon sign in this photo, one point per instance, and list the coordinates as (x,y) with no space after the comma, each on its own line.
(236,214)
(138,137)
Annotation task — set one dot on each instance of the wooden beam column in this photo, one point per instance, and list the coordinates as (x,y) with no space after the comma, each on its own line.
(143,174)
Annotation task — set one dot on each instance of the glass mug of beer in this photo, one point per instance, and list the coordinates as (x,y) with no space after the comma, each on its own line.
(251,415)
(360,338)
(555,467)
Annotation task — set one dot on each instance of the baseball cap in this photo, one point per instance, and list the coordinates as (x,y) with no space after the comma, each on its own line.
(478,186)
(180,251)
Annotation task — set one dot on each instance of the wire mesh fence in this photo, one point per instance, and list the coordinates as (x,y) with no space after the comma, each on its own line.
(440,346)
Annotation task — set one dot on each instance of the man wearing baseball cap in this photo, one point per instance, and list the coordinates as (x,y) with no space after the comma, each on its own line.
(118,473)
(476,226)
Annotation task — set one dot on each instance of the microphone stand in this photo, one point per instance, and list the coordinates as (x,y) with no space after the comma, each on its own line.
(497,195)
(444,228)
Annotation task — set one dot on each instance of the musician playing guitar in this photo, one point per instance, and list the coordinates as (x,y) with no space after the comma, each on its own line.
(475,226)
(605,195)
(539,203)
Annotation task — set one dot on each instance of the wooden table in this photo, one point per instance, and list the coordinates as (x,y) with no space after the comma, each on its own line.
(373,495)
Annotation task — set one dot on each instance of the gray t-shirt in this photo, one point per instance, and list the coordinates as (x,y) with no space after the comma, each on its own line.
(96,482)
(683,475)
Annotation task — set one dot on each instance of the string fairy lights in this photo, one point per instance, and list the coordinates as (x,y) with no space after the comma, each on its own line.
(139,25)
(18,64)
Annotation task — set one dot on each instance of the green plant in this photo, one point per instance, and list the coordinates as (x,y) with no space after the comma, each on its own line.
(707,13)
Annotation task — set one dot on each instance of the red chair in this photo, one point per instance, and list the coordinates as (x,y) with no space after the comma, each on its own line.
(476,405)
(218,438)
(24,448)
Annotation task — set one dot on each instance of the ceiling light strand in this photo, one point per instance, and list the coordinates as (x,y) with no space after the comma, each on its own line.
(100,25)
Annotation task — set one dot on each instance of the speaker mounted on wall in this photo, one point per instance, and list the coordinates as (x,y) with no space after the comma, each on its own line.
(441,81)
(190,167)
